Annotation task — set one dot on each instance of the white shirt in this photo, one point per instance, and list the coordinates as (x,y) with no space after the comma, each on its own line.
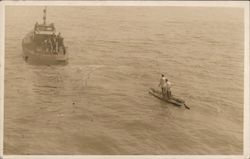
(162,81)
(168,85)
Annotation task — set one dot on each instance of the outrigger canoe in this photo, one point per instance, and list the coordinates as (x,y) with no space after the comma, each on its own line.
(173,100)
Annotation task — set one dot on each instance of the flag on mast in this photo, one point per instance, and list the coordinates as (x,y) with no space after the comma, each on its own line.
(44,15)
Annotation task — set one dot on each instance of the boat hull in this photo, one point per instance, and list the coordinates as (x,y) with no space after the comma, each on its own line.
(41,57)
(37,55)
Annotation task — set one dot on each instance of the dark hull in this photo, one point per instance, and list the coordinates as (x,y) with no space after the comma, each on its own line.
(174,100)
(34,57)
(39,56)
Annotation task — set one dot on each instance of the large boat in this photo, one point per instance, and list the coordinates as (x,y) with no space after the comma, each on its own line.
(43,45)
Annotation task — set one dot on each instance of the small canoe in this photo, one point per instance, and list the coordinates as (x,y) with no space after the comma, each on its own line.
(174,100)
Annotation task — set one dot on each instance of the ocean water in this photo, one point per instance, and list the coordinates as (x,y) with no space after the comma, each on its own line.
(98,103)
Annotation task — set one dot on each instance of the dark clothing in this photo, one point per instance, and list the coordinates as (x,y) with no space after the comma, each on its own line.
(169,94)
(45,45)
(163,91)
(49,45)
(53,41)
(60,44)
(60,41)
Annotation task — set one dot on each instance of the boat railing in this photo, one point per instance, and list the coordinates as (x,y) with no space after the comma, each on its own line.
(45,51)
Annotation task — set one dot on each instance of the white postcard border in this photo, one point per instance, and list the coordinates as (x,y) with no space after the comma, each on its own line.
(241,4)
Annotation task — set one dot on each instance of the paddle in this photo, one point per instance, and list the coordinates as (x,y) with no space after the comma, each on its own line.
(186,106)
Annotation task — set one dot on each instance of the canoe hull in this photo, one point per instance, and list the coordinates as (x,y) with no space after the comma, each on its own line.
(174,100)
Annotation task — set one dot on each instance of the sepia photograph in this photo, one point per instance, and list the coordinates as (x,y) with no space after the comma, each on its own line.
(123,80)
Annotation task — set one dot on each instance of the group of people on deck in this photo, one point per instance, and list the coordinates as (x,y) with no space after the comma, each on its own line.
(53,44)
(165,87)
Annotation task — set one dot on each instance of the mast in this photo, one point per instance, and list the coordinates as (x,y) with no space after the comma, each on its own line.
(44,15)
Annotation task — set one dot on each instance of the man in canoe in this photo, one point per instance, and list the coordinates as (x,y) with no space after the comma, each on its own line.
(168,85)
(162,84)
(166,89)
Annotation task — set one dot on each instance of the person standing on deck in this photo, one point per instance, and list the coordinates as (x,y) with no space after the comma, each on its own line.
(53,40)
(49,45)
(162,84)
(45,44)
(59,42)
(36,25)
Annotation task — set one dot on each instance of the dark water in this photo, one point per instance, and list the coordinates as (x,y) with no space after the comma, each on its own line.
(99,102)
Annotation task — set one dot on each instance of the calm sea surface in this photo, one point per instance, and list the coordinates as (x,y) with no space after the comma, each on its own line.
(99,102)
